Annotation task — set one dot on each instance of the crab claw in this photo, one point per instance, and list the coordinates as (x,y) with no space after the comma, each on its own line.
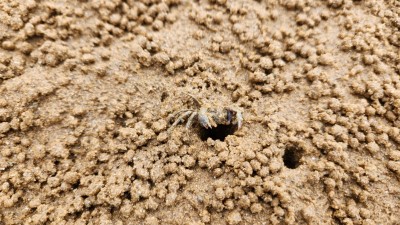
(239,118)
(203,119)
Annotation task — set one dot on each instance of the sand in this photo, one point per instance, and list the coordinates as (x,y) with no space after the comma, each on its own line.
(87,90)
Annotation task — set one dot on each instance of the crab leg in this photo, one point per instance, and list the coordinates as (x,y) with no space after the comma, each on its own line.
(203,118)
(190,120)
(198,102)
(180,118)
(177,113)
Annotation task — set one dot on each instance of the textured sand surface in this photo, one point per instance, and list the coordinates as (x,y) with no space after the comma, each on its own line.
(87,89)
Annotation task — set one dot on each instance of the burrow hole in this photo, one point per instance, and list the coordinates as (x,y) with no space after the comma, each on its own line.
(217,133)
(292,157)
(76,184)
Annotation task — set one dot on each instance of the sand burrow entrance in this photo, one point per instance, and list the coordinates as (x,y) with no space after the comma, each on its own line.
(292,157)
(218,133)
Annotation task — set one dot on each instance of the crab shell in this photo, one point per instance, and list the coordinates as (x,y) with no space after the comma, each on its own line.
(211,117)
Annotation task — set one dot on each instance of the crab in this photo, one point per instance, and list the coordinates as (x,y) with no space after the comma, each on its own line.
(208,117)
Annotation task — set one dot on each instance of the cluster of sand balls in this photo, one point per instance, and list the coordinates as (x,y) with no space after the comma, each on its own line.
(75,152)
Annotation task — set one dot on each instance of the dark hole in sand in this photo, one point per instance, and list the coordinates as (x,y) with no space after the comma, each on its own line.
(127,195)
(218,133)
(292,157)
(164,95)
(76,184)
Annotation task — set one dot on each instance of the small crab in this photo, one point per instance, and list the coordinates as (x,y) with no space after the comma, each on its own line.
(209,117)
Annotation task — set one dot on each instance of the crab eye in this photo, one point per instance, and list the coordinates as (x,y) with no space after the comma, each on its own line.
(229,115)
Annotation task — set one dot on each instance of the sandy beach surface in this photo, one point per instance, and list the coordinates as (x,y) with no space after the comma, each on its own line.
(89,90)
